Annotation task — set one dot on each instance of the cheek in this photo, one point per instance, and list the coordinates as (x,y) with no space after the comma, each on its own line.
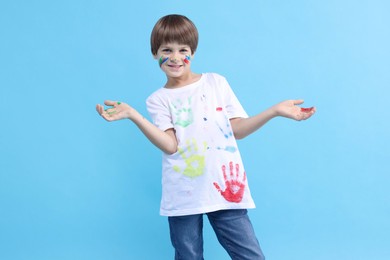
(162,60)
(187,59)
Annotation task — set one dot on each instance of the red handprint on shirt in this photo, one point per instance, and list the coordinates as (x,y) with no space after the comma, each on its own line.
(234,190)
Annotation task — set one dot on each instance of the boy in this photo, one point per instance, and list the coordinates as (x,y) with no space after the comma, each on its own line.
(196,121)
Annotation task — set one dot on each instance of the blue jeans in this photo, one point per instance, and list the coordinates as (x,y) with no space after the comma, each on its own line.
(232,227)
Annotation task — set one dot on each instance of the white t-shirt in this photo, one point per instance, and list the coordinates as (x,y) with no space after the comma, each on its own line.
(206,173)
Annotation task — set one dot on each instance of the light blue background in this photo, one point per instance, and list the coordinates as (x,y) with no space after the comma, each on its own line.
(75,187)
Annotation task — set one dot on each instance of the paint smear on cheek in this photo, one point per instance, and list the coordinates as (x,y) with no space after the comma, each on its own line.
(162,60)
(187,60)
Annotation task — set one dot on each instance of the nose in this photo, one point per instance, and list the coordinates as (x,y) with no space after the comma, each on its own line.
(174,57)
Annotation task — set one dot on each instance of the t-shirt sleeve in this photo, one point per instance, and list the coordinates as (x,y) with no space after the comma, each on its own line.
(233,106)
(159,112)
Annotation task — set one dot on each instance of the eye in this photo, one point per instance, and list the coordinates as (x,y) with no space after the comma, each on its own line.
(166,50)
(184,50)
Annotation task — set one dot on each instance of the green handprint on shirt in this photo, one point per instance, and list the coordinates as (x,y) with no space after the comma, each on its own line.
(183,112)
(195,162)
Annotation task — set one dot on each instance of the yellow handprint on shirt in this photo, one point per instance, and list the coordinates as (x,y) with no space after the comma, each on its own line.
(194,160)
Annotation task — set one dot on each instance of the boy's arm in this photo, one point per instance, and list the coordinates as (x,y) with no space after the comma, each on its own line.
(243,127)
(164,140)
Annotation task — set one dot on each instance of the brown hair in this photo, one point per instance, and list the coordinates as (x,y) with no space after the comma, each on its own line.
(174,28)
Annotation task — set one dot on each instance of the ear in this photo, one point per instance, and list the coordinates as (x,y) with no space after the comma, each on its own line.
(155,57)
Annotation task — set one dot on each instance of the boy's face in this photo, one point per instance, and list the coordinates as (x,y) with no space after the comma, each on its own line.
(174,59)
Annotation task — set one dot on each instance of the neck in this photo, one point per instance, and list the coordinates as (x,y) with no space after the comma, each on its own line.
(182,81)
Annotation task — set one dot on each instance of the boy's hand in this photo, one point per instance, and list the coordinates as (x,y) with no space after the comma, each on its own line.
(290,109)
(116,111)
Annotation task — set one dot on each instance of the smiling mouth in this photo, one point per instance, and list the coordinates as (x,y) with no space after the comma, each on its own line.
(175,66)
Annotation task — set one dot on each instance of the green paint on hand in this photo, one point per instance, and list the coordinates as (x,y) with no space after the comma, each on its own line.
(111,113)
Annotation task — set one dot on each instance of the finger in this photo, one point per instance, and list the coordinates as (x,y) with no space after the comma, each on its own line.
(110,103)
(217,186)
(307,115)
(99,109)
(311,112)
(231,170)
(244,177)
(298,101)
(107,118)
(237,170)
(307,109)
(224,172)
